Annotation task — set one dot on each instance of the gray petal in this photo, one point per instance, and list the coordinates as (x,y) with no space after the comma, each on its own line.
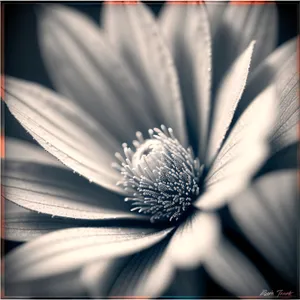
(65,250)
(233,271)
(88,70)
(64,130)
(133,31)
(240,25)
(147,273)
(227,98)
(267,214)
(186,29)
(243,152)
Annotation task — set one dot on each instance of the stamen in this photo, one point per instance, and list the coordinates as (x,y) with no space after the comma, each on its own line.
(161,177)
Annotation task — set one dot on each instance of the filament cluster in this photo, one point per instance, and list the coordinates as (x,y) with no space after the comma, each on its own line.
(161,177)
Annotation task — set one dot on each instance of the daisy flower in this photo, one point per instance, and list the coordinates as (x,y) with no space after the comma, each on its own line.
(157,124)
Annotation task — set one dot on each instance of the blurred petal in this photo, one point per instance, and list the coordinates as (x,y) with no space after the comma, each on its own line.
(215,13)
(287,84)
(63,285)
(85,68)
(193,240)
(267,214)
(64,130)
(186,29)
(65,250)
(240,25)
(265,74)
(284,159)
(34,179)
(98,276)
(233,271)
(21,224)
(133,31)
(227,99)
(188,283)
(146,273)
(243,152)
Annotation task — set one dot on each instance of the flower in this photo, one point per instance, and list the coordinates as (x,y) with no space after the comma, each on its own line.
(126,82)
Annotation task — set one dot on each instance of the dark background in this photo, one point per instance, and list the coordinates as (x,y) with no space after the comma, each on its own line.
(22,59)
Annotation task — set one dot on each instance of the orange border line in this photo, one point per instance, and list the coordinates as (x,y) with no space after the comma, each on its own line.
(241,2)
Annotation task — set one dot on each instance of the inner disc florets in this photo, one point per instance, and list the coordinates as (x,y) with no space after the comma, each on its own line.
(160,176)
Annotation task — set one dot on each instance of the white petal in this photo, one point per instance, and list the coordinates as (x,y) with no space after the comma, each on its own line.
(19,150)
(265,74)
(68,249)
(134,32)
(21,224)
(186,29)
(240,25)
(227,99)
(87,69)
(267,214)
(36,180)
(193,240)
(233,271)
(242,153)
(281,68)
(64,130)
(287,84)
(146,273)
(63,285)
(58,192)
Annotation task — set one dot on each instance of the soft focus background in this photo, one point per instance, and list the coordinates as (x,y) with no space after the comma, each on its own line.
(22,59)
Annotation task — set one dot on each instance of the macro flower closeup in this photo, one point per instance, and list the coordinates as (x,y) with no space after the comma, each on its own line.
(158,126)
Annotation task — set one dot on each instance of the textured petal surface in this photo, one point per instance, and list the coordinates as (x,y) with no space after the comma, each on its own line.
(267,214)
(59,192)
(233,271)
(186,29)
(19,150)
(280,67)
(34,179)
(146,273)
(68,249)
(242,153)
(193,240)
(64,130)
(87,69)
(227,98)
(21,224)
(133,31)
(265,74)
(287,84)
(240,25)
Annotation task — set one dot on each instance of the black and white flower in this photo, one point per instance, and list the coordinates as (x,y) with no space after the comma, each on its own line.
(174,115)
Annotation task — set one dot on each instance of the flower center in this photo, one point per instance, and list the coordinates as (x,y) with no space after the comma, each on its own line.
(161,177)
